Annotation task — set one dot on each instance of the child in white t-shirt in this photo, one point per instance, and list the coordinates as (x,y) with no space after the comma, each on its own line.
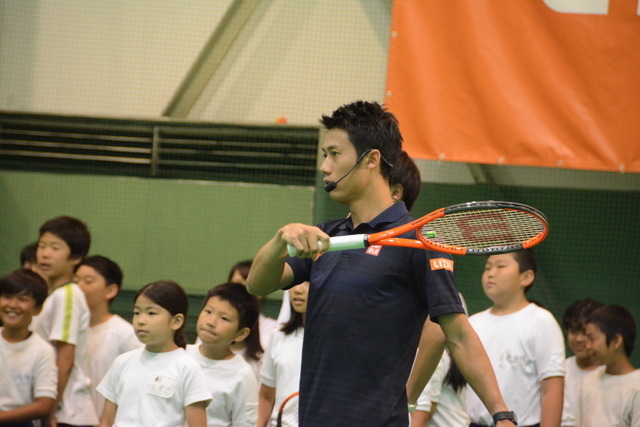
(64,320)
(523,341)
(109,335)
(27,362)
(227,317)
(582,361)
(159,384)
(282,362)
(252,348)
(610,397)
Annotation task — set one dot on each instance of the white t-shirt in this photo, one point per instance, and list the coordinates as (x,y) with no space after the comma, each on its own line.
(104,343)
(256,365)
(285,308)
(152,389)
(524,347)
(281,367)
(267,327)
(233,388)
(27,370)
(572,380)
(609,400)
(65,318)
(450,410)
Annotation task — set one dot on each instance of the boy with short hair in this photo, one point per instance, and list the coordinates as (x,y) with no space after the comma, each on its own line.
(610,397)
(28,368)
(28,255)
(523,341)
(62,244)
(227,317)
(109,335)
(582,362)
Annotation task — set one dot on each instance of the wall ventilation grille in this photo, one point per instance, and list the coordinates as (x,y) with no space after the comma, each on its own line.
(280,154)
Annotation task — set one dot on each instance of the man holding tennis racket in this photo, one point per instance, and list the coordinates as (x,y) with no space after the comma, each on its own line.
(366,307)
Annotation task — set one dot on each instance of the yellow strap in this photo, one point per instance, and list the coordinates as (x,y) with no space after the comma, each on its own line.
(68,312)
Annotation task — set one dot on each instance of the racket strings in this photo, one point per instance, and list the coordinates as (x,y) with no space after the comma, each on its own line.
(482,228)
(288,412)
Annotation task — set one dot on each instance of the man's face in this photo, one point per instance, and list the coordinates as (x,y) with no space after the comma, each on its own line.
(339,157)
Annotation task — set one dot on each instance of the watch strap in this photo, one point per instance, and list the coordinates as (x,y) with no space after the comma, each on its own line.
(505,415)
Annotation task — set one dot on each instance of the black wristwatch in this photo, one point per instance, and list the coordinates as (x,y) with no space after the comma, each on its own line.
(505,415)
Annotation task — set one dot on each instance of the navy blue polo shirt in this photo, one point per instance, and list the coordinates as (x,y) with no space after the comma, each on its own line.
(365,313)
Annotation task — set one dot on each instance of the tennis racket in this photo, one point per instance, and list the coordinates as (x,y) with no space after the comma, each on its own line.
(472,228)
(288,411)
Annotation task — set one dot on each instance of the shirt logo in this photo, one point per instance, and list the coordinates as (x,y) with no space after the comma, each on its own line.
(441,264)
(374,250)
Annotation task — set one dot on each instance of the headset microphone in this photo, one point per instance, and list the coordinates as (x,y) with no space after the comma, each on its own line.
(330,186)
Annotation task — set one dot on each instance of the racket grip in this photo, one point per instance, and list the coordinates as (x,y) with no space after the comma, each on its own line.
(339,243)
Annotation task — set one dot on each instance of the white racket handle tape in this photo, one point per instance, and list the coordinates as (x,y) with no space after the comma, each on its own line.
(339,243)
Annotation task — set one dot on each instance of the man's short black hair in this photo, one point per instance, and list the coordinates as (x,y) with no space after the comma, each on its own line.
(369,126)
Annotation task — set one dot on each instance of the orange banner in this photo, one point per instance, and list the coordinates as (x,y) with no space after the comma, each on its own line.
(551,83)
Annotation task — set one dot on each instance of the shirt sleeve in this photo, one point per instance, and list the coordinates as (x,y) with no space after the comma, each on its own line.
(549,347)
(437,283)
(45,373)
(108,385)
(67,317)
(268,371)
(195,386)
(301,270)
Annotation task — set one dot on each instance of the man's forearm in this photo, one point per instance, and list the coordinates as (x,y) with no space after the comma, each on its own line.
(267,268)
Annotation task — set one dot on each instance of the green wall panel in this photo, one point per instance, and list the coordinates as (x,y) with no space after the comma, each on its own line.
(187,231)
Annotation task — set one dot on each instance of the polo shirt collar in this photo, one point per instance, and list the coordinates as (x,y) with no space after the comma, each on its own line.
(389,216)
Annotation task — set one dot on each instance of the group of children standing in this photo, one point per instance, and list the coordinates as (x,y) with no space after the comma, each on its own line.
(597,386)
(70,361)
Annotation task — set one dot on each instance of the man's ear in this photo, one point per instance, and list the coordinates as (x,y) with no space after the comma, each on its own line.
(373,158)
(241,335)
(177,321)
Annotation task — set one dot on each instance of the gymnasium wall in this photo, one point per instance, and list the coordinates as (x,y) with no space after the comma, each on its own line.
(188,231)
